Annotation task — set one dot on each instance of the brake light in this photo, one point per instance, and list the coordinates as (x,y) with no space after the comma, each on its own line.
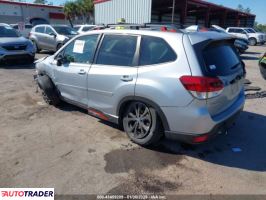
(199,139)
(202,87)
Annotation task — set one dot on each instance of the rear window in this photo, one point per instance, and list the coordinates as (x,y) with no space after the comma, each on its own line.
(221,59)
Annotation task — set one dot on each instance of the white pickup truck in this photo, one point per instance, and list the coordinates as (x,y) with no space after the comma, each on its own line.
(254,37)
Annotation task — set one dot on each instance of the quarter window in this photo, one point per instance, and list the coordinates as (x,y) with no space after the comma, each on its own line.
(117,50)
(81,50)
(155,50)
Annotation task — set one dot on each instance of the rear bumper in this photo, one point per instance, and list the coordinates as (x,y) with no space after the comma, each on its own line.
(188,123)
(220,128)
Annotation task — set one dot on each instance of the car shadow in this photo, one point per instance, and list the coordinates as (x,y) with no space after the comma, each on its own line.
(249,58)
(244,146)
(252,53)
(64,106)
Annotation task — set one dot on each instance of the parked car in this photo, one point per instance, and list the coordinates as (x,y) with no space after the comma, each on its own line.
(14,48)
(262,64)
(24,31)
(83,28)
(252,30)
(51,37)
(253,37)
(185,86)
(241,42)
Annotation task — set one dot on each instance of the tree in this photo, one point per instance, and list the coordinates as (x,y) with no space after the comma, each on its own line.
(78,8)
(40,1)
(242,9)
(70,10)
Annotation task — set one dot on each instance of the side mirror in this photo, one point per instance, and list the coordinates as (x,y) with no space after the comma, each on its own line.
(60,60)
(52,34)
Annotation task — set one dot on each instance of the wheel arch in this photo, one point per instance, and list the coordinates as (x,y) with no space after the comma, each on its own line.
(126,100)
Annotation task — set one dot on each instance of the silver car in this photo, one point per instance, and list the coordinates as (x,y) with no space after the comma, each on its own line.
(51,37)
(14,49)
(184,86)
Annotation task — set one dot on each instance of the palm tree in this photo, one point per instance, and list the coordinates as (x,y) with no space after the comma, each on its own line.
(70,10)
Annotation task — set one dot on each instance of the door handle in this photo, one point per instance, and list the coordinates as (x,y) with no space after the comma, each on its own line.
(82,72)
(126,78)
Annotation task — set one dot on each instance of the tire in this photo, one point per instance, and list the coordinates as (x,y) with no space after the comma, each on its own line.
(58,46)
(49,92)
(263,70)
(142,125)
(252,41)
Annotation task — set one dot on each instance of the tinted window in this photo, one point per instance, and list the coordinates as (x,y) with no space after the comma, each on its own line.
(117,50)
(250,30)
(81,50)
(76,28)
(39,29)
(28,26)
(15,26)
(154,51)
(7,31)
(48,30)
(65,30)
(221,59)
(231,30)
(87,28)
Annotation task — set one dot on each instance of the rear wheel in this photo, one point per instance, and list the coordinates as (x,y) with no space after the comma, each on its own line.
(252,41)
(142,124)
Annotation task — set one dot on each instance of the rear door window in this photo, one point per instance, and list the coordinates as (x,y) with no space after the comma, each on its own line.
(155,50)
(117,50)
(221,59)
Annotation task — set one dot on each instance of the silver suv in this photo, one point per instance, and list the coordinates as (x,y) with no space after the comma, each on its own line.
(51,37)
(185,86)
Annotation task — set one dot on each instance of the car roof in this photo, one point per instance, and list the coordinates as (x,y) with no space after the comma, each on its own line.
(195,37)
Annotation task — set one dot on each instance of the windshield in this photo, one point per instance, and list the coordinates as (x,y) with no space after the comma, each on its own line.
(76,28)
(250,30)
(65,30)
(6,31)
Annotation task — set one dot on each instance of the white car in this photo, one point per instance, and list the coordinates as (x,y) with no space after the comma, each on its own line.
(252,30)
(83,28)
(254,38)
(25,31)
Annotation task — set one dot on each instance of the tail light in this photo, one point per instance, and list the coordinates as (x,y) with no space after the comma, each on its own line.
(202,87)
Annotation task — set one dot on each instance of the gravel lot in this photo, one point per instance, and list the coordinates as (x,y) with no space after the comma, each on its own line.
(64,148)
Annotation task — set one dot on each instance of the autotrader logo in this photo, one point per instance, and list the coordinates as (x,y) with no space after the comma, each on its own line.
(26,193)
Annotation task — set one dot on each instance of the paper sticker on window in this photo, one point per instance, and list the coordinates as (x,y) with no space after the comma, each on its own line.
(78,46)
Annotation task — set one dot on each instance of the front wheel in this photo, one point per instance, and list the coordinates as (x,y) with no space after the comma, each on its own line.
(252,41)
(142,124)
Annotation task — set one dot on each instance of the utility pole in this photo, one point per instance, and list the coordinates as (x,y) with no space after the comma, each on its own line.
(173,12)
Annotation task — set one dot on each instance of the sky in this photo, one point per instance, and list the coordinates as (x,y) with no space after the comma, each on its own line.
(258,7)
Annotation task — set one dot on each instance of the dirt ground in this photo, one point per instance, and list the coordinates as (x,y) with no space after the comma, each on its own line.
(64,148)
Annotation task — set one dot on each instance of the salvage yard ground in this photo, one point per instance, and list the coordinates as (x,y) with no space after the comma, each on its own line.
(64,148)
